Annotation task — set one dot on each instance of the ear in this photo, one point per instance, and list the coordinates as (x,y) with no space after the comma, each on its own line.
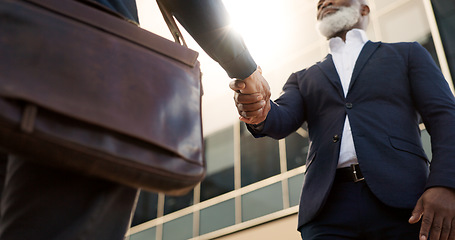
(365,10)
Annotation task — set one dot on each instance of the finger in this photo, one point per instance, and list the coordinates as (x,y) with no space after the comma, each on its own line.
(417,212)
(251,107)
(427,222)
(248,120)
(247,98)
(245,120)
(251,114)
(237,85)
(262,115)
(436,227)
(446,228)
(452,230)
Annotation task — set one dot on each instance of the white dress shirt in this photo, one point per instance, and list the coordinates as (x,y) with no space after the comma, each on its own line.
(344,56)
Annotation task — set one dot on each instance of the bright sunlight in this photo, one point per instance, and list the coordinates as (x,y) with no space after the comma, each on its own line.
(260,22)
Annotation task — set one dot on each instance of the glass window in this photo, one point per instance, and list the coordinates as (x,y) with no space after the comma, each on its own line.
(180,228)
(444,11)
(259,157)
(426,142)
(262,202)
(146,208)
(406,22)
(297,148)
(217,216)
(295,187)
(380,4)
(219,154)
(172,204)
(148,234)
(427,43)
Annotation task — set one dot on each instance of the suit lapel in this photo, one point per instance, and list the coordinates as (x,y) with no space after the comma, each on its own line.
(328,68)
(365,54)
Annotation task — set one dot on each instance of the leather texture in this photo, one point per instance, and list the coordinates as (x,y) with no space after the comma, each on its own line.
(84,89)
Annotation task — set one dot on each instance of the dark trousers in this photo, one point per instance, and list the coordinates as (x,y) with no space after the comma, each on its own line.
(41,202)
(353,212)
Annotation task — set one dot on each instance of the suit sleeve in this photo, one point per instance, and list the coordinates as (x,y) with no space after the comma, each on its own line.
(436,104)
(286,114)
(207,21)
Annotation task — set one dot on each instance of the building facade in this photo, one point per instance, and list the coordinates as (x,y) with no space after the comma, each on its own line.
(252,187)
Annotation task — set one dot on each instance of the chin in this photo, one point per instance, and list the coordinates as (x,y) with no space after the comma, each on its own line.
(334,23)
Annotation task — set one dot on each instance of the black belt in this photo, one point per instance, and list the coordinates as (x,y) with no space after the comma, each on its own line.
(349,174)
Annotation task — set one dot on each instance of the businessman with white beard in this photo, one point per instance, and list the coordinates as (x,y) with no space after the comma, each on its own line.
(367,174)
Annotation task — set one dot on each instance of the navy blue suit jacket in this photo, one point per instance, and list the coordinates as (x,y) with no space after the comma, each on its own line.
(393,88)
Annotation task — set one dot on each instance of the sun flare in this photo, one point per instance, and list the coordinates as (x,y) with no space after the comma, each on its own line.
(260,22)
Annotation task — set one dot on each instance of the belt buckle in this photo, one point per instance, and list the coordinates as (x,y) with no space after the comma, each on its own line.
(354,173)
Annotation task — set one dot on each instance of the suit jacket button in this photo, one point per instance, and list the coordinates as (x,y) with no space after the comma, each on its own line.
(348,105)
(336,138)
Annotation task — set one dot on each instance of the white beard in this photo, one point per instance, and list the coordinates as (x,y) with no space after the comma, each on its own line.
(343,19)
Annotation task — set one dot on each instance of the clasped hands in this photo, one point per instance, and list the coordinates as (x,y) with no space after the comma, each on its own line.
(252,97)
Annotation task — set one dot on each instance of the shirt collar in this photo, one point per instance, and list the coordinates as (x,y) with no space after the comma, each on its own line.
(356,36)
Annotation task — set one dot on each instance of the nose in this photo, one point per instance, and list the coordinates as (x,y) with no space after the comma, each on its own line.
(324,3)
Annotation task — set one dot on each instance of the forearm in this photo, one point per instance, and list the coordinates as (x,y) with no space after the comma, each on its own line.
(280,122)
(208,23)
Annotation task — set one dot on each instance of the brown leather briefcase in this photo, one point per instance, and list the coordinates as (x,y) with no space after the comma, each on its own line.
(83,89)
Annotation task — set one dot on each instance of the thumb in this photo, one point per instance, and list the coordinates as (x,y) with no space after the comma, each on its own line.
(237,85)
(417,212)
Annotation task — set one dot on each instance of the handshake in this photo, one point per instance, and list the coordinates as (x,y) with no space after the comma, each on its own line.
(252,97)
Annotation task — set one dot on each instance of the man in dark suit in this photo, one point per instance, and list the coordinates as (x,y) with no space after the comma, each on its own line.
(366,172)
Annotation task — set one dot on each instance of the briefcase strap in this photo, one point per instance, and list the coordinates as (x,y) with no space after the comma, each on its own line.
(172,25)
